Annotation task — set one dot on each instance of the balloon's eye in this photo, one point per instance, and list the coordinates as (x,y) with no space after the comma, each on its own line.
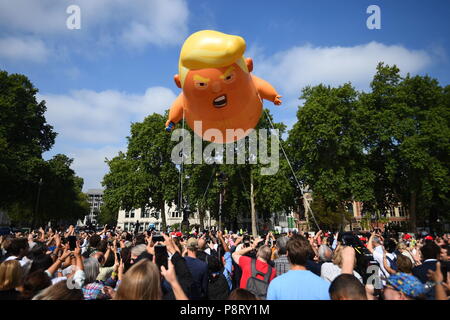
(201,85)
(229,78)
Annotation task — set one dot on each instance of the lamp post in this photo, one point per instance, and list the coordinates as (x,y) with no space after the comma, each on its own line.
(186,212)
(33,221)
(221,177)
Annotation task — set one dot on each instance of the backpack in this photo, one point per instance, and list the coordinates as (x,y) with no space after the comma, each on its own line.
(393,262)
(218,288)
(257,286)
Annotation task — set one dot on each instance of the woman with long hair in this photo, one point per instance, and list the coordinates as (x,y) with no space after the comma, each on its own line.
(11,275)
(143,282)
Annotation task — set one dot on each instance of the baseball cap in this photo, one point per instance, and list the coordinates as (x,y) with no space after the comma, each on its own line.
(428,237)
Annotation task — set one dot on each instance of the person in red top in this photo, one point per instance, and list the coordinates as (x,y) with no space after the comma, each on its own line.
(263,256)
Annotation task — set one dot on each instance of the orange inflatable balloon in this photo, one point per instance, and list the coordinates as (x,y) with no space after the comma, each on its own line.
(221,100)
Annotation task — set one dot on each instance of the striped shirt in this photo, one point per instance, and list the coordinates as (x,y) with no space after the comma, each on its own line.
(282,265)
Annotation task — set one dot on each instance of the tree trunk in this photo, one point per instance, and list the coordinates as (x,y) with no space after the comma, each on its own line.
(163,217)
(412,212)
(253,211)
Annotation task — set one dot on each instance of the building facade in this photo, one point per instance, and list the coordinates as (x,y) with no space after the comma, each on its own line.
(95,199)
(396,215)
(152,218)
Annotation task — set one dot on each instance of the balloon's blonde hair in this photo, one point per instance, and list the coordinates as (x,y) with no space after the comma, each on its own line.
(211,49)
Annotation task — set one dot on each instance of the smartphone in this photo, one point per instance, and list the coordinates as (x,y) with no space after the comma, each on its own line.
(157,237)
(72,242)
(161,256)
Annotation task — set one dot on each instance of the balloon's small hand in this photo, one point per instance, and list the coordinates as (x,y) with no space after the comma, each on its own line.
(170,126)
(277,100)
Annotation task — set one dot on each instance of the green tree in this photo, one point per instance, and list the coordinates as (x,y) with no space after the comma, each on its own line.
(381,147)
(327,151)
(408,143)
(35,190)
(119,188)
(24,136)
(144,176)
(330,217)
(60,199)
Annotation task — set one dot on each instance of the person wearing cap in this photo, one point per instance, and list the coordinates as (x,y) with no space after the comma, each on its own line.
(198,269)
(402,286)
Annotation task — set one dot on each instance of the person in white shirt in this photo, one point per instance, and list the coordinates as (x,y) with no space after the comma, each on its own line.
(375,246)
(330,270)
(17,250)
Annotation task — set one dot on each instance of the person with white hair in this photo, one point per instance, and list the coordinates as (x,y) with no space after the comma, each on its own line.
(375,246)
(325,253)
(282,264)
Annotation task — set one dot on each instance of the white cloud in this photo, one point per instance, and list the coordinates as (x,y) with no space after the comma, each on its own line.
(166,23)
(86,116)
(89,163)
(99,123)
(137,22)
(26,49)
(293,69)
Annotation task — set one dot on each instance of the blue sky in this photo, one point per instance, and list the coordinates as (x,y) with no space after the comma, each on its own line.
(119,66)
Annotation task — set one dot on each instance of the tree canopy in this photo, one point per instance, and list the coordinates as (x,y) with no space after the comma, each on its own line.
(34,190)
(381,147)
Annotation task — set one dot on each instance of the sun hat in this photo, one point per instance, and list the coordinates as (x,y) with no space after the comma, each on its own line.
(406,283)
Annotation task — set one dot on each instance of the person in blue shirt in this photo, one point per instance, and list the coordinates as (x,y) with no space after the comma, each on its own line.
(226,260)
(198,269)
(298,283)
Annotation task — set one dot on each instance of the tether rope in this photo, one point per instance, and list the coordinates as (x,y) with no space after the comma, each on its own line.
(300,186)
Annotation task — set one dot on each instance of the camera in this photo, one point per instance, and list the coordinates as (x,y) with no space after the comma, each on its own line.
(350,239)
(363,256)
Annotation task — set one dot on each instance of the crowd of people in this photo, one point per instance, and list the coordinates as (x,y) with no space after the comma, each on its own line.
(114,264)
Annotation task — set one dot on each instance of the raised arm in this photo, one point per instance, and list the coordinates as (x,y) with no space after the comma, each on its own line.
(55,266)
(370,242)
(237,255)
(222,241)
(386,264)
(266,90)
(175,112)
(348,260)
(171,278)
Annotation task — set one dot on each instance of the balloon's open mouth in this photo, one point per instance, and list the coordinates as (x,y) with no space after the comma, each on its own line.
(220,102)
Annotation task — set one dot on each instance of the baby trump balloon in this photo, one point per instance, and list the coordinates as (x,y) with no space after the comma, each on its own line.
(219,91)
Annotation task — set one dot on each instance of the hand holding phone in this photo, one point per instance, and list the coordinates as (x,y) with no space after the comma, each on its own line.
(72,242)
(161,257)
